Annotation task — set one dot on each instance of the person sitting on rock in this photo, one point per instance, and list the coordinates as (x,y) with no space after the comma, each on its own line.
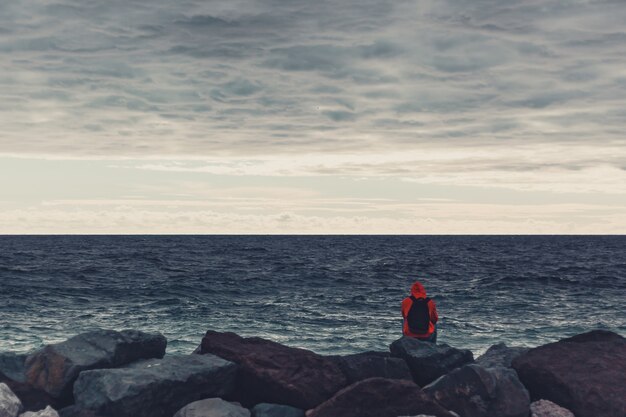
(420,315)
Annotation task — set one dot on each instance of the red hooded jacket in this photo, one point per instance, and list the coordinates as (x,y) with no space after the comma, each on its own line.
(418,291)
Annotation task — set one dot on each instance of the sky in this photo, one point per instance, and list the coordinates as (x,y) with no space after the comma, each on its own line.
(313,117)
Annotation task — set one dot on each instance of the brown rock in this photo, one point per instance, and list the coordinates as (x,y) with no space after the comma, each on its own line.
(273,373)
(584,373)
(379,397)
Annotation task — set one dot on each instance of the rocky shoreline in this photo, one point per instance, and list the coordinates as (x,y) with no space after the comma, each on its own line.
(108,373)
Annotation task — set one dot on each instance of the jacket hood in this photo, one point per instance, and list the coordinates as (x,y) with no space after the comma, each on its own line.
(417,290)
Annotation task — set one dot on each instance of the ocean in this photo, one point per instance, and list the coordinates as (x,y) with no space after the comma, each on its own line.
(329,294)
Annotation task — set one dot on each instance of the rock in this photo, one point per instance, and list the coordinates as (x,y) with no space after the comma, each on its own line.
(74,411)
(274,373)
(31,398)
(10,405)
(428,361)
(13,373)
(54,368)
(12,366)
(584,373)
(500,355)
(595,336)
(474,391)
(47,412)
(276,410)
(154,387)
(372,364)
(212,407)
(545,408)
(379,397)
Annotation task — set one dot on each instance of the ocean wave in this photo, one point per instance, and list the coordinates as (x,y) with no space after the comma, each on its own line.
(338,294)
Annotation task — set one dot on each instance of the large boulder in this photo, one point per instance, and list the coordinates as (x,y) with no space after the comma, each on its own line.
(584,373)
(10,405)
(372,364)
(274,373)
(474,391)
(212,407)
(500,355)
(379,397)
(13,373)
(74,411)
(276,410)
(545,408)
(46,412)
(154,387)
(54,368)
(428,361)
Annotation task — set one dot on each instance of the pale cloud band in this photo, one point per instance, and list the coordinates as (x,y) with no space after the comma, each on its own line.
(55,196)
(485,98)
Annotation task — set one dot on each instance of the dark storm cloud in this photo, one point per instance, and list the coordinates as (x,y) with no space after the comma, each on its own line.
(133,78)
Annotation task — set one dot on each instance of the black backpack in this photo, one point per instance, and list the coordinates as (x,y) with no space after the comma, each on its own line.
(418,318)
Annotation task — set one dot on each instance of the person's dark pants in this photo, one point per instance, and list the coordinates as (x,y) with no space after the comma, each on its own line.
(432,338)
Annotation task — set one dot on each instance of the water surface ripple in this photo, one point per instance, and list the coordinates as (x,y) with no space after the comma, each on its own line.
(331,294)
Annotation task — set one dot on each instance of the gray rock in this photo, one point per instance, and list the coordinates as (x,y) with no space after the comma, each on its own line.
(54,368)
(545,408)
(47,412)
(365,365)
(419,415)
(32,398)
(74,411)
(212,407)
(276,410)
(474,391)
(10,405)
(13,373)
(154,388)
(12,366)
(428,361)
(500,355)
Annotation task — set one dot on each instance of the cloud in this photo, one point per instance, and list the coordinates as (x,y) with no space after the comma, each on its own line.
(339,115)
(524,96)
(533,167)
(438,192)
(429,218)
(163,74)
